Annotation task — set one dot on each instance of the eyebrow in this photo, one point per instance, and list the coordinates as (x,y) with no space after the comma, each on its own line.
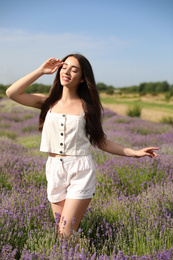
(72,65)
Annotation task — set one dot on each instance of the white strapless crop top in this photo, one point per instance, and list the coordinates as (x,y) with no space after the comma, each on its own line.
(65,135)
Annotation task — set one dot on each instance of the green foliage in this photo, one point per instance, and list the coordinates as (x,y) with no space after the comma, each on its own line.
(167,120)
(151,87)
(131,236)
(134,111)
(4,181)
(105,88)
(29,141)
(8,133)
(3,90)
(29,129)
(138,181)
(110,90)
(38,88)
(143,88)
(168,95)
(34,88)
(42,240)
(36,178)
(144,130)
(101,87)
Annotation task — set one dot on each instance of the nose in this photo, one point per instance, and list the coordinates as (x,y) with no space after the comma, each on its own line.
(67,70)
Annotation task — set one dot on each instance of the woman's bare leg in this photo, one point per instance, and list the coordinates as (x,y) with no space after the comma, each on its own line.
(71,215)
(57,208)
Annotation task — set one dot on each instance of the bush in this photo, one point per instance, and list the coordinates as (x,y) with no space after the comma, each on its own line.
(167,120)
(168,96)
(134,111)
(110,90)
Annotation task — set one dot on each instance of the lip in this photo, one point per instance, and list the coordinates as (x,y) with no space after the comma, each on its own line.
(65,78)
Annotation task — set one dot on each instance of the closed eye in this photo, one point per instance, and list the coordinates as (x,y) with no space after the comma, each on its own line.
(73,69)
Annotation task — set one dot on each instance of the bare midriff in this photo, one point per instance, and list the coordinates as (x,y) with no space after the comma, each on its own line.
(57,155)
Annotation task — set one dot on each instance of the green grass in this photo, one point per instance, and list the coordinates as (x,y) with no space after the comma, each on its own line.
(36,178)
(30,141)
(147,105)
(29,129)
(8,133)
(143,130)
(4,181)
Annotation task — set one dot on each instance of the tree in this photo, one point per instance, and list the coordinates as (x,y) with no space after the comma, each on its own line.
(163,86)
(101,87)
(110,90)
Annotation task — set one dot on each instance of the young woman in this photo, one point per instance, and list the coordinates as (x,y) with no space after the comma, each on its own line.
(70,121)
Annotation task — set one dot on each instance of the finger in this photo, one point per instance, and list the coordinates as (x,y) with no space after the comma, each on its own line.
(154,148)
(152,154)
(54,70)
(51,59)
(155,155)
(59,64)
(54,61)
(150,149)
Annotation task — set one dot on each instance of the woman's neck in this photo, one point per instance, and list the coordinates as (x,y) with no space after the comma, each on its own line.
(69,95)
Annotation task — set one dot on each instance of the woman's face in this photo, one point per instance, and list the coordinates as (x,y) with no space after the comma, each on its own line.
(71,73)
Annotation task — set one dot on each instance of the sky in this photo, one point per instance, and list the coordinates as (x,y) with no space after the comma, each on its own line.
(127,42)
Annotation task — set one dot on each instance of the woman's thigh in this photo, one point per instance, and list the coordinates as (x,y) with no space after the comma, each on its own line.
(72,213)
(57,209)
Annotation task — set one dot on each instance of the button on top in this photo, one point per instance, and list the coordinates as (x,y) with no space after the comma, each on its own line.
(63,115)
(61,144)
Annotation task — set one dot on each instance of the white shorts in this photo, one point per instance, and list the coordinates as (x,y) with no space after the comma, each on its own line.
(72,177)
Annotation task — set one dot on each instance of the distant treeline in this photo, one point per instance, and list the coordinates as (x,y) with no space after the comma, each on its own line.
(34,88)
(108,89)
(40,88)
(144,88)
(150,87)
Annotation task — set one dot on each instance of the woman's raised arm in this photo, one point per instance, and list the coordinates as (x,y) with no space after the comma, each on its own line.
(16,90)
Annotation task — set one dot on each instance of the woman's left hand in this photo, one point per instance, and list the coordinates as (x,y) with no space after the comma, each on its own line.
(149,151)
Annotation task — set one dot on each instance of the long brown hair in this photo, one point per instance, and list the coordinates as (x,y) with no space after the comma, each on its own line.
(88,93)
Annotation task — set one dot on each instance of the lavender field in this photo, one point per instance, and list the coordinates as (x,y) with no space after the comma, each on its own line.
(131,215)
